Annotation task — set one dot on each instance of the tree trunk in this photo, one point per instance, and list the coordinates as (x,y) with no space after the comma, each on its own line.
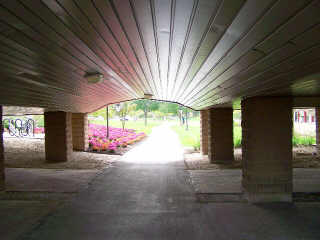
(145,117)
(187,127)
(107,113)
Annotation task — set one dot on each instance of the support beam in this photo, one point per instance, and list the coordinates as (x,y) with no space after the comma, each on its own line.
(317,115)
(58,136)
(204,114)
(267,149)
(2,173)
(80,131)
(220,132)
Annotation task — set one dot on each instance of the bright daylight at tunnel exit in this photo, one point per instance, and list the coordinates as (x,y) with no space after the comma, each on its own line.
(160,119)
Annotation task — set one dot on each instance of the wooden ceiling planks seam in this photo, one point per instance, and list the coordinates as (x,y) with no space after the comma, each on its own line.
(128,73)
(273,16)
(201,53)
(217,27)
(296,54)
(217,83)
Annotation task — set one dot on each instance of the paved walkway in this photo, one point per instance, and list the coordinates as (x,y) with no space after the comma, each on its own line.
(155,200)
(229,180)
(161,147)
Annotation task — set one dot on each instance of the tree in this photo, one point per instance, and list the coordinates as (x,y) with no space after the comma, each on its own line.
(102,112)
(123,110)
(146,106)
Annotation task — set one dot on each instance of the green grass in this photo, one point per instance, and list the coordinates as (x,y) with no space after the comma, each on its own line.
(237,136)
(190,138)
(303,140)
(136,125)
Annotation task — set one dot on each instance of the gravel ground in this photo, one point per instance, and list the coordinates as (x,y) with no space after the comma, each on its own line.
(30,153)
(303,157)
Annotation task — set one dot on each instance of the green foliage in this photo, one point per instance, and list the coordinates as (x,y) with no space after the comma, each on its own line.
(125,109)
(237,135)
(303,140)
(103,112)
(236,114)
(169,108)
(190,138)
(147,105)
(39,120)
(136,125)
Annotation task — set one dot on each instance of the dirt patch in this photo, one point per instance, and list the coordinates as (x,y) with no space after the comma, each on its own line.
(303,157)
(30,153)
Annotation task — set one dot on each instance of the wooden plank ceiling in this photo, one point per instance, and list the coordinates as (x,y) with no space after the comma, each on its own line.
(200,53)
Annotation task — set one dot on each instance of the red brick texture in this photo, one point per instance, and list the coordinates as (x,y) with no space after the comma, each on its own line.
(220,132)
(317,113)
(267,149)
(58,136)
(204,131)
(2,176)
(80,131)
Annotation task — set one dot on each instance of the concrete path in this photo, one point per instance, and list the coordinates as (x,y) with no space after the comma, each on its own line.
(156,201)
(48,180)
(229,180)
(161,147)
(153,199)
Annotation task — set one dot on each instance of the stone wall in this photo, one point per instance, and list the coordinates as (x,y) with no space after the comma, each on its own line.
(204,131)
(58,136)
(2,176)
(80,131)
(220,132)
(317,115)
(267,148)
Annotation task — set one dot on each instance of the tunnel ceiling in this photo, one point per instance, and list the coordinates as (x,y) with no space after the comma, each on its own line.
(199,53)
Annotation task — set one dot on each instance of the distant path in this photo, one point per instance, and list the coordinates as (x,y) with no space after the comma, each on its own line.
(162,146)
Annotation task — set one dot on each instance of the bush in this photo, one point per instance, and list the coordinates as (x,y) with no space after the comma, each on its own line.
(303,140)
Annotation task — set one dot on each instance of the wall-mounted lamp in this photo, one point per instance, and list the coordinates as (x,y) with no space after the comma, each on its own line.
(148,96)
(94,77)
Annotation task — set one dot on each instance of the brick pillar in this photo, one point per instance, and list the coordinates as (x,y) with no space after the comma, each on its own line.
(204,131)
(58,136)
(317,115)
(2,175)
(80,131)
(267,149)
(220,132)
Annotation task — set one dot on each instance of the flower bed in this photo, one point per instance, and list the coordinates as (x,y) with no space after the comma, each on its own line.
(38,130)
(98,140)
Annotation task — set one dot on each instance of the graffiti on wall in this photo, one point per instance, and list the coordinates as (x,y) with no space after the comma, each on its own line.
(19,127)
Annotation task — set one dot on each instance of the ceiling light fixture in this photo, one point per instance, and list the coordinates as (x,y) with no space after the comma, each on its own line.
(94,77)
(148,95)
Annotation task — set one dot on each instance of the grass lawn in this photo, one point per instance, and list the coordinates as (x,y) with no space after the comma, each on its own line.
(136,125)
(190,138)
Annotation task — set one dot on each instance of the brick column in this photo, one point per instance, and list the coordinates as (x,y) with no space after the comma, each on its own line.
(317,116)
(58,136)
(2,175)
(267,149)
(220,132)
(204,131)
(80,131)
